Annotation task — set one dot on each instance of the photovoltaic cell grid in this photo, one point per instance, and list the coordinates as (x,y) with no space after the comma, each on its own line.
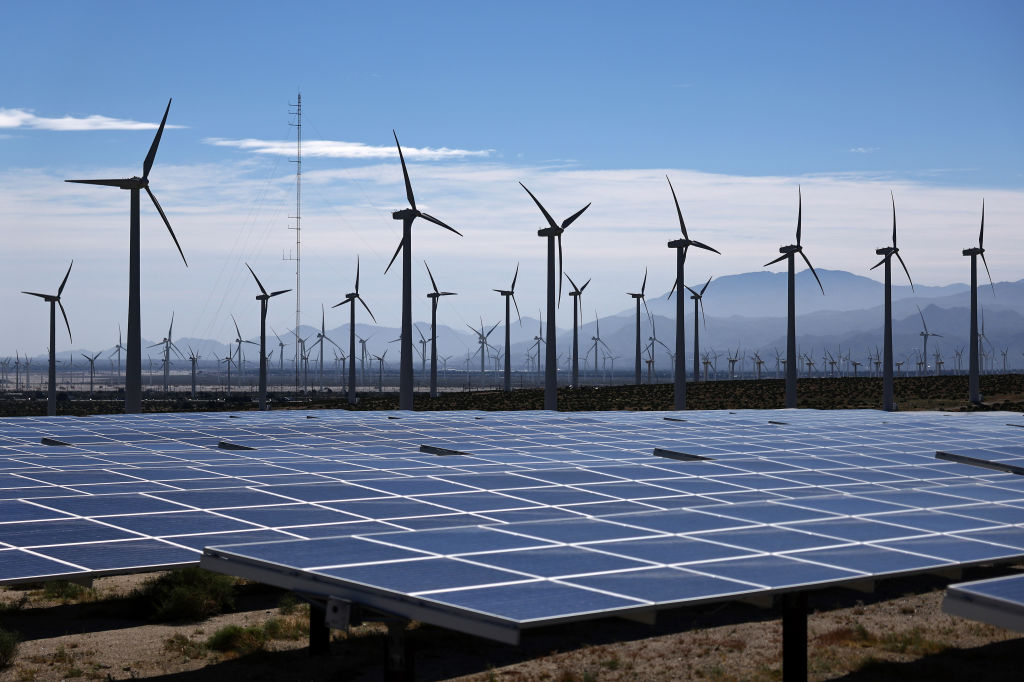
(141,492)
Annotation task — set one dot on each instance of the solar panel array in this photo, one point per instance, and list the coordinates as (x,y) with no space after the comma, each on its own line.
(528,517)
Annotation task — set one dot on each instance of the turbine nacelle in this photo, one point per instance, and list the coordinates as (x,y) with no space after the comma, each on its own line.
(791,248)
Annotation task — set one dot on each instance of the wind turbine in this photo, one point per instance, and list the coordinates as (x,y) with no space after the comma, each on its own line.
(682,246)
(789,254)
(168,344)
(510,293)
(481,338)
(263,298)
(887,252)
(698,302)
(321,336)
(380,371)
(240,363)
(117,349)
(434,296)
(596,338)
(351,298)
(973,382)
(133,361)
(925,334)
(552,233)
(654,341)
(577,305)
(407,216)
(92,369)
(639,298)
(194,357)
(280,353)
(54,301)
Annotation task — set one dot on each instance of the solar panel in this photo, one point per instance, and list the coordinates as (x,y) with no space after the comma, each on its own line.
(997,601)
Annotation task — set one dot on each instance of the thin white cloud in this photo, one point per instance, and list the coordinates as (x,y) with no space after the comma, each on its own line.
(25,118)
(864,150)
(337,149)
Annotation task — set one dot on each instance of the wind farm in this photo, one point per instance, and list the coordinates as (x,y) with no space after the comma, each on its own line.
(791,465)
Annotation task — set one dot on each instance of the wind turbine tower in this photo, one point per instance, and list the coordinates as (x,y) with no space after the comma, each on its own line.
(54,301)
(263,298)
(973,382)
(434,296)
(407,216)
(510,293)
(552,233)
(639,298)
(577,307)
(887,252)
(352,298)
(681,246)
(789,254)
(133,356)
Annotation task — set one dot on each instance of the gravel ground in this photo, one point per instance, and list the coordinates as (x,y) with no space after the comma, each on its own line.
(897,633)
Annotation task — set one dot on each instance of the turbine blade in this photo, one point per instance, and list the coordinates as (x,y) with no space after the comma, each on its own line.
(780,258)
(367,309)
(517,310)
(981,232)
(282,291)
(691,291)
(238,333)
(702,315)
(643,287)
(32,293)
(163,215)
(673,289)
(547,216)
(574,287)
(799,213)
(151,156)
(703,288)
(559,269)
(432,219)
(925,324)
(258,282)
(893,219)
(585,285)
(347,300)
(514,278)
(985,263)
(877,264)
(700,245)
(571,219)
(357,274)
(405,172)
(401,243)
(808,261)
(64,313)
(113,182)
(679,212)
(432,282)
(60,289)
(905,270)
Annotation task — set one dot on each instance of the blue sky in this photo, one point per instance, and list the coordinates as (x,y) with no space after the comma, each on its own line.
(582,101)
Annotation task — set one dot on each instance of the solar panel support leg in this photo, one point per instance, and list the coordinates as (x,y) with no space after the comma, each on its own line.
(400,660)
(794,637)
(319,631)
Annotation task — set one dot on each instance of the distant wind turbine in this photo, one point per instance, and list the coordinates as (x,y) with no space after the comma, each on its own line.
(133,360)
(577,305)
(887,252)
(974,382)
(434,296)
(510,293)
(407,216)
(352,298)
(789,254)
(925,334)
(54,301)
(698,302)
(263,298)
(552,233)
(92,369)
(639,298)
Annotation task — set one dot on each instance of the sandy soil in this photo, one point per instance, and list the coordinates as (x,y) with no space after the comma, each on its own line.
(898,632)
